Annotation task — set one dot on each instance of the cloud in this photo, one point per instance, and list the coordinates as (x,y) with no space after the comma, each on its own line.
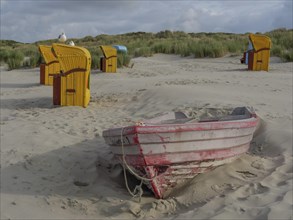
(32,20)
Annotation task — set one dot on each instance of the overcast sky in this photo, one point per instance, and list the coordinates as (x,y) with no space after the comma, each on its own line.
(33,20)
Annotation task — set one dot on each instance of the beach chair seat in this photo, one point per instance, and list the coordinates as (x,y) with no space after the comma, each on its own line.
(108,63)
(72,86)
(259,57)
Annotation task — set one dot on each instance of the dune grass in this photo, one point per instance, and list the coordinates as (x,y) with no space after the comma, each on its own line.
(282,43)
(15,59)
(143,44)
(123,59)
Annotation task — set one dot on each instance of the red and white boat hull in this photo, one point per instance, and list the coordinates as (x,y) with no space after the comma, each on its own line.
(172,154)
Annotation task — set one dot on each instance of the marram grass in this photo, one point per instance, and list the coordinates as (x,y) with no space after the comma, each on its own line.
(144,44)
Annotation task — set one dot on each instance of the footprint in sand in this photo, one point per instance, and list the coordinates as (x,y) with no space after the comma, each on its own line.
(258,165)
(247,174)
(222,188)
(256,188)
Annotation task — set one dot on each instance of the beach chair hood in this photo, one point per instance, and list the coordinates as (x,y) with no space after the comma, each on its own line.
(260,42)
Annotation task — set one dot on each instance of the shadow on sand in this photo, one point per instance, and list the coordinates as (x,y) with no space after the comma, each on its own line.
(18,85)
(42,102)
(78,170)
(237,70)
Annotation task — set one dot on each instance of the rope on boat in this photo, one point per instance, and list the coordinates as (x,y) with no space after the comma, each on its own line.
(138,191)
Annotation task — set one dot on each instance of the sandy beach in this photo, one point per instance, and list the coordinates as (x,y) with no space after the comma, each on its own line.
(56,165)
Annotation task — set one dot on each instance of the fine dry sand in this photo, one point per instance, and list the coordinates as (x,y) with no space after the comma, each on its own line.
(56,165)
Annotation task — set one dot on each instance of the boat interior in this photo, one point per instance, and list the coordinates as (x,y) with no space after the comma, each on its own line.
(238,113)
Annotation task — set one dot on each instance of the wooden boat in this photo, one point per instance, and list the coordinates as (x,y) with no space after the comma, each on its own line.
(171,149)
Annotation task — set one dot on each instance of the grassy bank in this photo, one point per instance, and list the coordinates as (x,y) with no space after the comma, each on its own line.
(145,44)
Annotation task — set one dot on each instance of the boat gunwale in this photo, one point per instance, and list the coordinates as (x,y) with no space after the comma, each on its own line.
(186,127)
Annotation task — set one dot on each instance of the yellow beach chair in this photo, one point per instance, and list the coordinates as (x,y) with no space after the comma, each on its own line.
(108,63)
(51,66)
(72,85)
(259,57)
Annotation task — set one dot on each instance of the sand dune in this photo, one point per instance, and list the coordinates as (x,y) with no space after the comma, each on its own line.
(55,163)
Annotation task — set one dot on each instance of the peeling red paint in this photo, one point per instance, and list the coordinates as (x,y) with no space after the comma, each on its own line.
(135,139)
